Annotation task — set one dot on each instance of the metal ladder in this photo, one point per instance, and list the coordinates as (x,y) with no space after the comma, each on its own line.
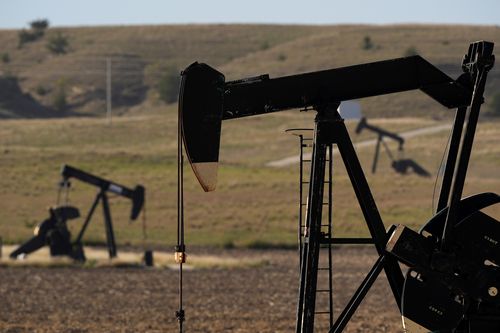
(325,271)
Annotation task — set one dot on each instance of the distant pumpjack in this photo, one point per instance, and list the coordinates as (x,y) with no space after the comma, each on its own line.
(54,231)
(400,165)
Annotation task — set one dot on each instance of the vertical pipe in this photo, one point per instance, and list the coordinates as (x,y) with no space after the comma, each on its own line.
(464,157)
(301,180)
(330,231)
(377,151)
(110,235)
(180,314)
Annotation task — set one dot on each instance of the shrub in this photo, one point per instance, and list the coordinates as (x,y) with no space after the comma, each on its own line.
(57,44)
(5,58)
(228,245)
(367,43)
(37,31)
(41,90)
(168,85)
(264,45)
(411,51)
(39,25)
(59,101)
(26,36)
(281,57)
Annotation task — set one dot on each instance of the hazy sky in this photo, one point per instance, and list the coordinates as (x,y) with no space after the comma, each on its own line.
(16,13)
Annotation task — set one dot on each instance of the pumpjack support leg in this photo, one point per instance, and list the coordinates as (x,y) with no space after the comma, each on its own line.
(110,236)
(310,250)
(330,129)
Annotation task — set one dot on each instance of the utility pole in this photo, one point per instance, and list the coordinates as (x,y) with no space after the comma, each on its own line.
(108,90)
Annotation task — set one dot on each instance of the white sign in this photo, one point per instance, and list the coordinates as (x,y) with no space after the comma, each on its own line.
(350,110)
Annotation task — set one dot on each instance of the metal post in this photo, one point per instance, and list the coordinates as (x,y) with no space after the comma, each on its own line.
(110,236)
(180,249)
(377,151)
(301,179)
(367,205)
(108,90)
(87,219)
(358,296)
(330,231)
(310,252)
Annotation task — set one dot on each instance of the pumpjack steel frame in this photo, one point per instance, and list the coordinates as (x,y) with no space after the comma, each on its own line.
(206,99)
(54,231)
(326,228)
(136,195)
(330,129)
(381,134)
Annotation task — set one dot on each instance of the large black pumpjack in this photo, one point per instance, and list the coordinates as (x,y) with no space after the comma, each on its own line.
(453,278)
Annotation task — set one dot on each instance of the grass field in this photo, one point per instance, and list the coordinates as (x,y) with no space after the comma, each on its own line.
(253,205)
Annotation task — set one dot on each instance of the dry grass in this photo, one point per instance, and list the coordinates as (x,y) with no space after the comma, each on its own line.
(98,257)
(253,204)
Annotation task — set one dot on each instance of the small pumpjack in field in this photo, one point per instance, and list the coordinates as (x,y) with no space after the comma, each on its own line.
(54,231)
(453,278)
(400,164)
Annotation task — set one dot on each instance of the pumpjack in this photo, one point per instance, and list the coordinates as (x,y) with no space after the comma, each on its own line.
(54,231)
(452,279)
(400,165)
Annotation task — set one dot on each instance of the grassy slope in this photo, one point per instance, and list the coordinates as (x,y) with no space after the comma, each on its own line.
(139,53)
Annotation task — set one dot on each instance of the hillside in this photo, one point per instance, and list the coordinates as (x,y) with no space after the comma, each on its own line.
(14,102)
(142,57)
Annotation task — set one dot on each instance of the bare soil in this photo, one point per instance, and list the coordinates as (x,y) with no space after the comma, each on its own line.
(244,299)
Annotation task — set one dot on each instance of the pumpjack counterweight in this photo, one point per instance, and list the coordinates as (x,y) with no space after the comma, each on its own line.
(449,286)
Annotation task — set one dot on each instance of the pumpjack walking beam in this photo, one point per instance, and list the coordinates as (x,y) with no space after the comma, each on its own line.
(136,195)
(206,99)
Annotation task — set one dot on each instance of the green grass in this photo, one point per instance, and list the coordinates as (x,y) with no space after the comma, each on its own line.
(253,206)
